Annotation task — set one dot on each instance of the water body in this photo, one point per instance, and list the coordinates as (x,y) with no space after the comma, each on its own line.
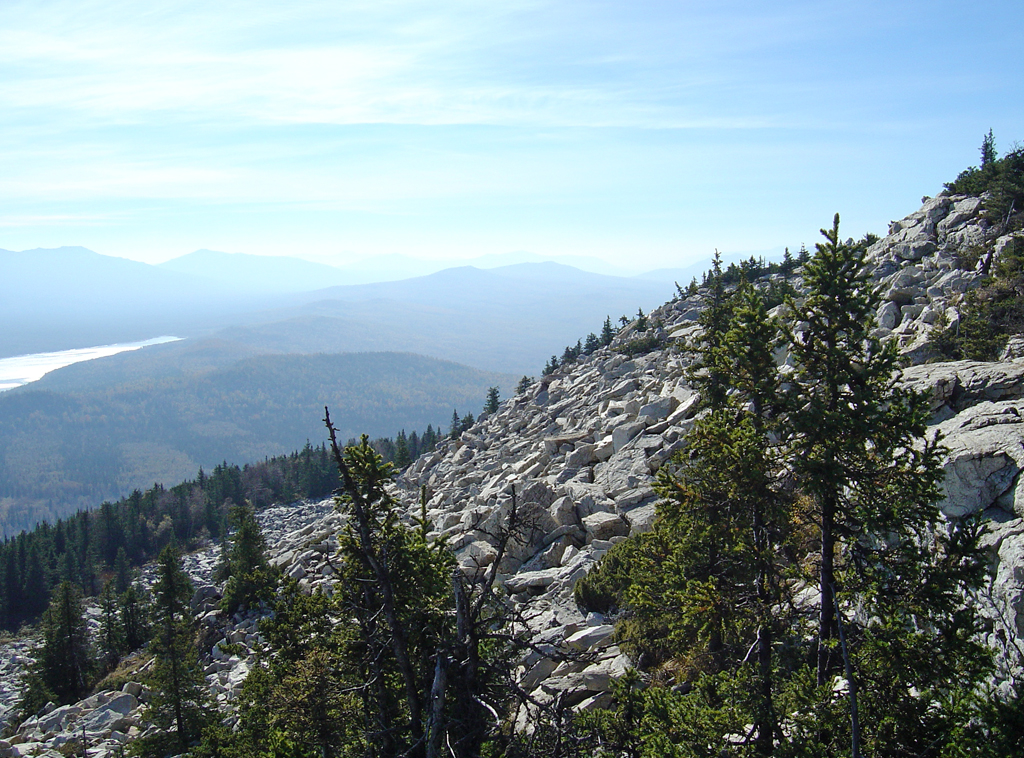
(23,369)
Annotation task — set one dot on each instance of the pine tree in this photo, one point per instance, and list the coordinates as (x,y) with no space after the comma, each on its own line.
(244,563)
(592,344)
(64,660)
(456,425)
(111,635)
(179,689)
(524,384)
(491,406)
(988,150)
(402,457)
(859,455)
(607,331)
(134,609)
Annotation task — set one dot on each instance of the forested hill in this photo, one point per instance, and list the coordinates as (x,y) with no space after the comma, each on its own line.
(62,451)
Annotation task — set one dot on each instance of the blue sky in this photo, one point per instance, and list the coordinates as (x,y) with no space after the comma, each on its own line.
(645,133)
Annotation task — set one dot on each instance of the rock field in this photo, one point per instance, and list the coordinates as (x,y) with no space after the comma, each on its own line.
(580,448)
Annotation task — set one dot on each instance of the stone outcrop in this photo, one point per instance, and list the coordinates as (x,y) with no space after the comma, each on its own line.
(579,451)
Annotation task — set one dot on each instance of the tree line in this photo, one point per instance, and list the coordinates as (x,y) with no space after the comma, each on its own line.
(87,548)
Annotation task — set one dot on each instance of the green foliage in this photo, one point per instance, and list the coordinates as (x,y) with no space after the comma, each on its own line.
(833,476)
(493,398)
(244,563)
(179,698)
(603,589)
(607,331)
(1003,181)
(641,320)
(63,670)
(989,314)
(111,642)
(641,345)
(403,654)
(67,449)
(524,384)
(134,617)
(134,530)
(705,373)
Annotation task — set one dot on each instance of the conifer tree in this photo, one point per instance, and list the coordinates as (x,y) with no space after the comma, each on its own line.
(63,666)
(706,373)
(134,616)
(122,572)
(988,150)
(402,456)
(843,376)
(491,406)
(244,563)
(179,689)
(607,331)
(111,635)
(861,457)
(641,320)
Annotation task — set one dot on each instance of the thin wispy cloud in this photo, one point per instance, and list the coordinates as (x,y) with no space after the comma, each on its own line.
(567,121)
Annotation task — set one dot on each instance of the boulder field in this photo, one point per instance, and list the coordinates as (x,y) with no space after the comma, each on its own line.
(579,449)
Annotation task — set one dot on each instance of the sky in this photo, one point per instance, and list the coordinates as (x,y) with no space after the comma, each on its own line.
(645,133)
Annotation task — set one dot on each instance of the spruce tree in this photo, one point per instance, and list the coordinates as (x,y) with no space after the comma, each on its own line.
(607,331)
(179,689)
(491,406)
(244,563)
(122,572)
(843,377)
(988,150)
(110,643)
(890,578)
(63,665)
(706,372)
(134,609)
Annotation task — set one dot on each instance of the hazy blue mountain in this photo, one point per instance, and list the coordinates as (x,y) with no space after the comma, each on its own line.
(257,273)
(385,268)
(582,262)
(56,299)
(509,319)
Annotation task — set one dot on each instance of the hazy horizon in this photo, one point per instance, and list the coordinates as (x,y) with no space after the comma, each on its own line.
(646,135)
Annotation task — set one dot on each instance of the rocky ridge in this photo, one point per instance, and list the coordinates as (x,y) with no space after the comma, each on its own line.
(580,449)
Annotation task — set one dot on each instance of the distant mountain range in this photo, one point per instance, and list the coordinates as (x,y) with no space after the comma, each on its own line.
(256,364)
(264,273)
(507,319)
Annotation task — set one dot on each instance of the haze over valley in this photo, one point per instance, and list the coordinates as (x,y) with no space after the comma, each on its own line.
(262,345)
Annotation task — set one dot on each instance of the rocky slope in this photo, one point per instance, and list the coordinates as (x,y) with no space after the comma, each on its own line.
(580,449)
